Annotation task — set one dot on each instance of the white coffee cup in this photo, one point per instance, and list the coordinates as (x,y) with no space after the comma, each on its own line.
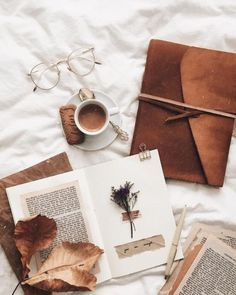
(92,116)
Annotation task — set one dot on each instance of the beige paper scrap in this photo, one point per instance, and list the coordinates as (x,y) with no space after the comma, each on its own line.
(133,215)
(148,244)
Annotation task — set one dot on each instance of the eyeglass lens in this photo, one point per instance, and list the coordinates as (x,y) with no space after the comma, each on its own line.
(81,61)
(45,76)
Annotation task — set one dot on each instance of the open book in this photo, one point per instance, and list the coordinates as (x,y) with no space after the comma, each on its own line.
(80,202)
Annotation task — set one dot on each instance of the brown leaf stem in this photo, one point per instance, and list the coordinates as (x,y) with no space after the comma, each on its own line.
(16,288)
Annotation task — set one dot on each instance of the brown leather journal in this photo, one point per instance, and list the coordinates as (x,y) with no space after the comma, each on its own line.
(193,148)
(52,166)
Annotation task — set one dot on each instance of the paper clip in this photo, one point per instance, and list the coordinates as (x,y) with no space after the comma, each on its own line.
(144,154)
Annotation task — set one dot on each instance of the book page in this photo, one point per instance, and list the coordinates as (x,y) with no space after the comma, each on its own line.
(65,198)
(61,203)
(213,271)
(154,225)
(198,235)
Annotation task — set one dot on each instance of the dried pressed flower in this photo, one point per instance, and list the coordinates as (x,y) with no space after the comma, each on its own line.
(125,199)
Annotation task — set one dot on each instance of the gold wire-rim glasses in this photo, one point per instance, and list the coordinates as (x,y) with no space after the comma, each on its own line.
(68,62)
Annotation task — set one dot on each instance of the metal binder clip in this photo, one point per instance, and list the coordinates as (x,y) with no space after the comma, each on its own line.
(144,154)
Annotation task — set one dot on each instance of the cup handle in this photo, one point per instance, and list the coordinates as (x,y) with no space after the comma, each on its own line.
(113,111)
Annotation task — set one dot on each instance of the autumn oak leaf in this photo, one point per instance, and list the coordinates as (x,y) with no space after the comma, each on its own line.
(32,235)
(68,268)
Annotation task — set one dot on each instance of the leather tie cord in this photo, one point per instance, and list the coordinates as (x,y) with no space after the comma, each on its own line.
(173,105)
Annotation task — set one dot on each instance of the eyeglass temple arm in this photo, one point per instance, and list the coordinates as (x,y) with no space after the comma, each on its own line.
(96,62)
(91,48)
(35,87)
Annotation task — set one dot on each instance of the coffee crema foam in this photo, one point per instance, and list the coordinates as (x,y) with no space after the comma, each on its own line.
(92,117)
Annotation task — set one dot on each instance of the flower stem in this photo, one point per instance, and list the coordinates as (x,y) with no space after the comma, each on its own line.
(131,224)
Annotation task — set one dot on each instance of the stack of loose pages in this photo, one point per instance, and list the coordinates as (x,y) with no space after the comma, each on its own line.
(209,266)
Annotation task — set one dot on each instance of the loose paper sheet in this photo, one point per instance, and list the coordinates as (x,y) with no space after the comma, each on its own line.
(198,235)
(213,271)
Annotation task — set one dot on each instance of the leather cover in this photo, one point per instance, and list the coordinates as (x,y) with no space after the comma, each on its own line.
(193,149)
(52,166)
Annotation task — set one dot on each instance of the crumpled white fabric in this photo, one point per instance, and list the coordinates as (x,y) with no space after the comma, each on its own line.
(35,31)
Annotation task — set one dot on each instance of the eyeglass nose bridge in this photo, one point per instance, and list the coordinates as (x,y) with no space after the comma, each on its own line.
(61,62)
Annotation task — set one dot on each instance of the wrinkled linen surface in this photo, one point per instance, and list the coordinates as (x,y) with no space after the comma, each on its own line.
(35,31)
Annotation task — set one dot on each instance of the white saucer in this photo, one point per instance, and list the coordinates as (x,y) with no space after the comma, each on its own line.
(100,141)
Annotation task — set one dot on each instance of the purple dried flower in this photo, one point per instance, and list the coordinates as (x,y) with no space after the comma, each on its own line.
(126,200)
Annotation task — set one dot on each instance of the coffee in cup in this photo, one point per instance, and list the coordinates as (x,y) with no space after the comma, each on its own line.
(91,117)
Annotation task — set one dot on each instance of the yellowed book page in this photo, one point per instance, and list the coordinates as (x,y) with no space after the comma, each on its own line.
(212,272)
(65,198)
(198,235)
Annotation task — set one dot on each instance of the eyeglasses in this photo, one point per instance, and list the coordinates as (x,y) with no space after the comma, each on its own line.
(80,62)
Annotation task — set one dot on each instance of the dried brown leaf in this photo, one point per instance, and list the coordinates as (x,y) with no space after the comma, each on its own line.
(67,268)
(32,235)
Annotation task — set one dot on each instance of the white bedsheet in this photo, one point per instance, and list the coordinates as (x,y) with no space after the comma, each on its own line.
(34,31)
